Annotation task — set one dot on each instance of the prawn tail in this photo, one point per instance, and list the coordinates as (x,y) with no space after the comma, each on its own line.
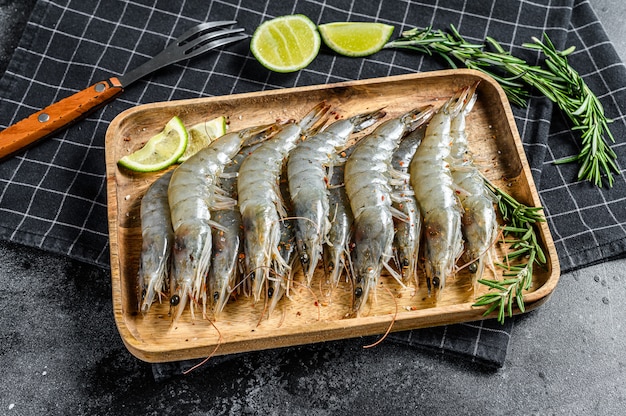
(258,134)
(363,121)
(469,97)
(417,117)
(315,119)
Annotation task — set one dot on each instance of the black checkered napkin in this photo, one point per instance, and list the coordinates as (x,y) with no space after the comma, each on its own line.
(53,195)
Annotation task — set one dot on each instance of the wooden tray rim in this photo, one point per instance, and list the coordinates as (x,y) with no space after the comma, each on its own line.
(370,325)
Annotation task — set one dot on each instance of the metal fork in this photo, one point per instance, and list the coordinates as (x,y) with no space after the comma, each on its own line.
(197,40)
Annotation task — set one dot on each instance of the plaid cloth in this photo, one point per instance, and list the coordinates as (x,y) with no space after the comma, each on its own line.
(53,195)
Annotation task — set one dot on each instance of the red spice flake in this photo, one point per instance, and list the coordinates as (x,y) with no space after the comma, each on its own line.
(126,139)
(343,154)
(413,308)
(382,198)
(298,313)
(241,256)
(401,163)
(316,304)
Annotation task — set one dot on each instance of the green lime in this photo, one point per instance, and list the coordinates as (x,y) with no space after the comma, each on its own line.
(202,134)
(286,43)
(355,38)
(161,151)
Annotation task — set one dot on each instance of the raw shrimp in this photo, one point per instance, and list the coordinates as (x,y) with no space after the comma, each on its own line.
(225,263)
(367,176)
(479,223)
(280,284)
(308,181)
(336,250)
(260,200)
(157,239)
(192,195)
(408,230)
(441,211)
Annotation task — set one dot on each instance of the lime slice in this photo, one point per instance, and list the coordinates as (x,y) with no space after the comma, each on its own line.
(355,38)
(202,134)
(286,43)
(161,151)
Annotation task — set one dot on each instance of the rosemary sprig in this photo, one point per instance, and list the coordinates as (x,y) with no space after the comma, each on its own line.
(584,110)
(558,81)
(520,220)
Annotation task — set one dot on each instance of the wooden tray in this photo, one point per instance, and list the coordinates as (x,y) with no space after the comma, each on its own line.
(310,316)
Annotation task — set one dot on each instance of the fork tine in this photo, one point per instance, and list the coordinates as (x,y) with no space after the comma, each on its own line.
(191,43)
(216,44)
(201,28)
(191,46)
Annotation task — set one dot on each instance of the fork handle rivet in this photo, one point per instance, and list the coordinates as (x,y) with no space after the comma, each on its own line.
(100,87)
(43,117)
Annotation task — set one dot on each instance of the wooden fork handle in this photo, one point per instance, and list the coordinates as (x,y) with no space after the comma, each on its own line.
(57,116)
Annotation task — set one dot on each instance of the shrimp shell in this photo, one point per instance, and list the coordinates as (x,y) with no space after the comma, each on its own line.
(157,239)
(225,263)
(367,176)
(282,281)
(336,250)
(307,173)
(260,201)
(479,222)
(192,195)
(431,180)
(407,231)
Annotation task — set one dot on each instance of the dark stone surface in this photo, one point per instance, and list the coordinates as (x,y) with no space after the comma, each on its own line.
(61,354)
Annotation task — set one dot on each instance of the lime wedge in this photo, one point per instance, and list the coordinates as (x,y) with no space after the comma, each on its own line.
(355,38)
(286,43)
(202,134)
(161,151)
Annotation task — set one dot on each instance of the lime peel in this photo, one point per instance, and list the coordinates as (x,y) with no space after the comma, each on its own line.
(161,150)
(355,39)
(286,43)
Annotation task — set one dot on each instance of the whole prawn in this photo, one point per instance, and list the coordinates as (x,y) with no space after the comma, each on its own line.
(336,250)
(367,177)
(435,193)
(281,279)
(192,195)
(225,263)
(260,200)
(157,239)
(408,230)
(479,222)
(307,173)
